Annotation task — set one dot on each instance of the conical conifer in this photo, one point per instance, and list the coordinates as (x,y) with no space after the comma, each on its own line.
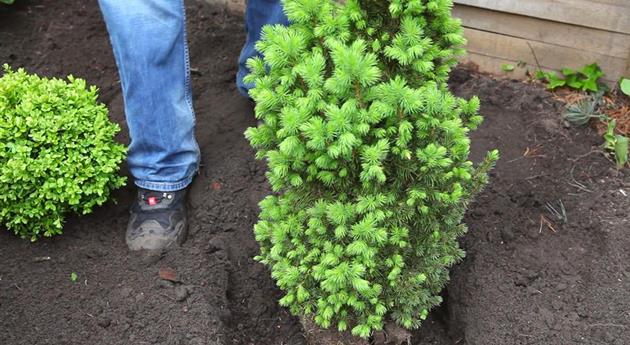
(368,155)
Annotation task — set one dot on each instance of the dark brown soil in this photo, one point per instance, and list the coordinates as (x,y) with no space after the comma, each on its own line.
(521,283)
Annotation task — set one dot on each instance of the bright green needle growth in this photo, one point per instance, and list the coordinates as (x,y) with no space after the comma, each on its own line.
(368,150)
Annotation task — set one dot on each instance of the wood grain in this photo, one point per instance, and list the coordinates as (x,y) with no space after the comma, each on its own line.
(604,16)
(548,56)
(541,30)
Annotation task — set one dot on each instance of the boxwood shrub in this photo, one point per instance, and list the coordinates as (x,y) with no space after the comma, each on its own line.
(57,152)
(368,155)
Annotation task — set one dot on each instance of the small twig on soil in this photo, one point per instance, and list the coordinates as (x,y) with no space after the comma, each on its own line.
(577,184)
(535,177)
(529,153)
(561,214)
(581,187)
(532,152)
(585,155)
(545,221)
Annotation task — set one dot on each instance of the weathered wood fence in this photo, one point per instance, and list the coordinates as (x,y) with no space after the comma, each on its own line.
(547,34)
(550,33)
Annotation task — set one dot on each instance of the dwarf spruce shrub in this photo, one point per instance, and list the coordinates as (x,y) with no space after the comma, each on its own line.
(57,152)
(368,152)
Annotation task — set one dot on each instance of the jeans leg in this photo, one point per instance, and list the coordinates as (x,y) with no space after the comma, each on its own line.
(258,14)
(149,41)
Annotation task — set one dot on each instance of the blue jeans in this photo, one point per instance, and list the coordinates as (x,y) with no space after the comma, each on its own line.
(151,51)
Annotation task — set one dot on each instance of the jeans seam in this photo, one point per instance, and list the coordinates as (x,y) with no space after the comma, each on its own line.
(188,83)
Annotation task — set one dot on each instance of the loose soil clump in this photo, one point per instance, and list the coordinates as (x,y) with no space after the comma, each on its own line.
(530,277)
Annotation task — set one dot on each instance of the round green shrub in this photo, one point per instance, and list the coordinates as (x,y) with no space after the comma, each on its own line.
(368,152)
(57,152)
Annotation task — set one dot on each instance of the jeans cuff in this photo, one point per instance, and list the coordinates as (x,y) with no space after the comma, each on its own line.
(164,186)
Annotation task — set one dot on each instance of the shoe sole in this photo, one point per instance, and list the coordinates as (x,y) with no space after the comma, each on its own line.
(152,242)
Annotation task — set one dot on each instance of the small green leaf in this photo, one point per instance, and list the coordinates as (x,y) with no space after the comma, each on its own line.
(555,82)
(573,81)
(610,139)
(625,86)
(621,151)
(590,85)
(592,71)
(507,67)
(73,276)
(541,75)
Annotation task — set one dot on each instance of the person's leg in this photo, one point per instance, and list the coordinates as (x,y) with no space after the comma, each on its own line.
(258,14)
(149,41)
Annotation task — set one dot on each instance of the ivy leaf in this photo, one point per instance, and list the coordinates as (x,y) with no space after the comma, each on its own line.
(573,81)
(592,71)
(555,81)
(590,85)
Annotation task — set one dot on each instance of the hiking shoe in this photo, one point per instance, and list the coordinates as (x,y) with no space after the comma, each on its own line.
(158,219)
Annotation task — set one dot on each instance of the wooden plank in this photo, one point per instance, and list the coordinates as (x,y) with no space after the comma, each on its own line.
(621,3)
(534,53)
(578,12)
(540,30)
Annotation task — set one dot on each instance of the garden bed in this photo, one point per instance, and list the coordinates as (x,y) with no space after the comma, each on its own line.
(528,277)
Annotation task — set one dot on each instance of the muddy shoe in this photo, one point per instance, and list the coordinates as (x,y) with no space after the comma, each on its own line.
(158,219)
